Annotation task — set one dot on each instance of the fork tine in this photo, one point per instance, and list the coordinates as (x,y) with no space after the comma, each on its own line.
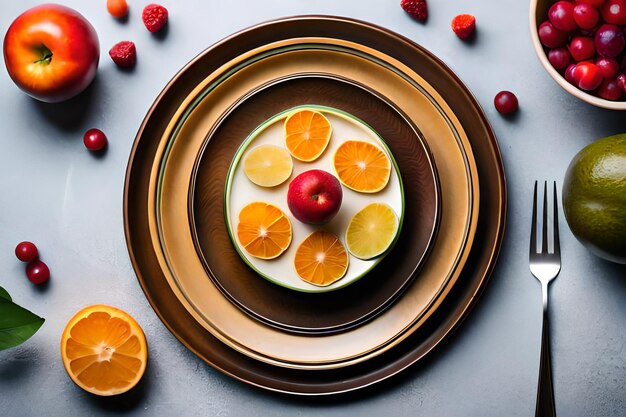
(557,244)
(533,228)
(544,237)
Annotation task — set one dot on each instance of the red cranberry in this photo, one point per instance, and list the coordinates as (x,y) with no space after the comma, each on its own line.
(506,102)
(37,272)
(594,3)
(559,58)
(581,48)
(609,40)
(586,16)
(550,36)
(569,74)
(561,14)
(95,140)
(26,251)
(587,76)
(621,82)
(608,67)
(614,12)
(610,90)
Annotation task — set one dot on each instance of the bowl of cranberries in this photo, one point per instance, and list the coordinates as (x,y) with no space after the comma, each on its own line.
(582,45)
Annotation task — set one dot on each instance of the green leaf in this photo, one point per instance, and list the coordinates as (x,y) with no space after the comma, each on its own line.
(4,294)
(17,324)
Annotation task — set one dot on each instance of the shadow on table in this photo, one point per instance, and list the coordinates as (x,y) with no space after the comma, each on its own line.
(69,116)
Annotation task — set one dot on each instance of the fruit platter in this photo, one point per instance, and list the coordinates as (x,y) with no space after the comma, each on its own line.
(341,225)
(331,205)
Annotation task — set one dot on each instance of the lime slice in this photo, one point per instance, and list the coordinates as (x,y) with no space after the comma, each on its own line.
(268,165)
(372,231)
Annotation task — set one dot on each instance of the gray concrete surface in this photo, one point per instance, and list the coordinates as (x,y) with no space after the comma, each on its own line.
(55,193)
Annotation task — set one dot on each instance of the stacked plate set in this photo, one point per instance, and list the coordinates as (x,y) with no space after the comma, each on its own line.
(261,326)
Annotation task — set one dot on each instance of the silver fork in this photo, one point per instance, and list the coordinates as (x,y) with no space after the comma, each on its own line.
(545,266)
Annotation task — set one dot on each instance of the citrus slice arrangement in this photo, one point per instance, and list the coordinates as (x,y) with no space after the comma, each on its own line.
(313,199)
(104,350)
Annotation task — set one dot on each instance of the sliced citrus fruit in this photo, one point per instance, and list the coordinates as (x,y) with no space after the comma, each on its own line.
(307,133)
(104,350)
(371,231)
(321,259)
(362,166)
(268,165)
(263,230)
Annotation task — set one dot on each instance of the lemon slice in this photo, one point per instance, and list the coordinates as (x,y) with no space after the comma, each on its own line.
(268,165)
(372,231)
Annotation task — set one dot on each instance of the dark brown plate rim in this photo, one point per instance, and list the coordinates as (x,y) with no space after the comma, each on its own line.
(391,296)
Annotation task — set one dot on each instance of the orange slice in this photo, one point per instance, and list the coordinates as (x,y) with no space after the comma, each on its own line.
(104,350)
(268,165)
(362,166)
(263,230)
(307,133)
(321,259)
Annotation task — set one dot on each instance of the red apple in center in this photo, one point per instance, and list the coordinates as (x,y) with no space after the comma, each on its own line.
(314,197)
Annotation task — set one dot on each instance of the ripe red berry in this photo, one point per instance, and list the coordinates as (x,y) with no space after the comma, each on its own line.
(610,90)
(561,14)
(608,67)
(37,272)
(587,76)
(506,102)
(581,48)
(95,140)
(569,74)
(614,12)
(154,17)
(26,251)
(124,54)
(463,25)
(559,58)
(417,9)
(586,16)
(550,36)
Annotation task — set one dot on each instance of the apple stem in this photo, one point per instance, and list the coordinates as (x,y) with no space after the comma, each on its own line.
(315,197)
(44,53)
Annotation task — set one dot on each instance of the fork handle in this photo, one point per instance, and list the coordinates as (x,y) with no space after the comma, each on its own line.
(545,391)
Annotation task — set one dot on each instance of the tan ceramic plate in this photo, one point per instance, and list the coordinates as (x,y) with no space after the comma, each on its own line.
(184,139)
(423,335)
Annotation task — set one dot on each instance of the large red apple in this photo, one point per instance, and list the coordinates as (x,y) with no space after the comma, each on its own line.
(314,196)
(51,52)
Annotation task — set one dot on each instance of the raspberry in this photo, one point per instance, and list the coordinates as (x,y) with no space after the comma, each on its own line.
(124,54)
(154,17)
(464,25)
(417,9)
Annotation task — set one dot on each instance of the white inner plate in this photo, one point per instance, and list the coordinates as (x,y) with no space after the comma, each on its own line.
(240,191)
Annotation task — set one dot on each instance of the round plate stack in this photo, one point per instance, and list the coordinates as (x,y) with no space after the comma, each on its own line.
(293,341)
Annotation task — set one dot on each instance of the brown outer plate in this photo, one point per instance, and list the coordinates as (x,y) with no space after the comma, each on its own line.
(453,308)
(347,307)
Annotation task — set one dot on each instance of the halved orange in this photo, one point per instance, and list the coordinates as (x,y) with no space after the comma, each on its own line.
(321,259)
(307,133)
(362,166)
(104,350)
(268,165)
(263,230)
